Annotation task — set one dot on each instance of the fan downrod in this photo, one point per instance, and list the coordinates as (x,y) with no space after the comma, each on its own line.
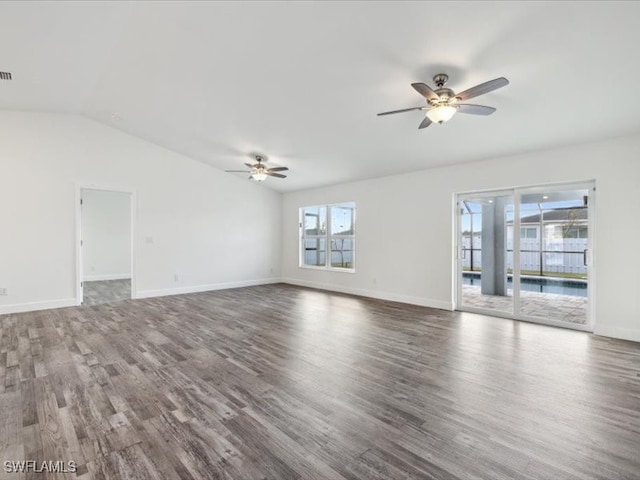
(440,79)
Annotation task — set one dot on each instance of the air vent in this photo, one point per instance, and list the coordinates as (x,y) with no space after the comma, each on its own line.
(5,75)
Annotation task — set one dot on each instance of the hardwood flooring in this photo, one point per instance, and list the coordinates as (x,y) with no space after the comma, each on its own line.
(280,382)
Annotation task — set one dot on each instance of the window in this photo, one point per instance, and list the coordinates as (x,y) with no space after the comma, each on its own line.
(328,237)
(528,232)
(576,232)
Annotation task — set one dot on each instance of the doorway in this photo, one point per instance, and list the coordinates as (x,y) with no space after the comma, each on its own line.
(105,246)
(526,253)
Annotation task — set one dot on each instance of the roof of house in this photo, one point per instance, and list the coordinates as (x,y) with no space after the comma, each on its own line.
(558,216)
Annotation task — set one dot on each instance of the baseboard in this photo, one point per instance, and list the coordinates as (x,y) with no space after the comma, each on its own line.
(163,292)
(109,276)
(393,297)
(34,306)
(632,334)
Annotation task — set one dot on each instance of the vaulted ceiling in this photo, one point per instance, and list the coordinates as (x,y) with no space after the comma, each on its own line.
(302,82)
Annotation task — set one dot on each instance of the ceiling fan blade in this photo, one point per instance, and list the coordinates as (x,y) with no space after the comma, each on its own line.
(483,88)
(237,171)
(401,111)
(248,165)
(425,123)
(475,109)
(426,91)
(279,175)
(277,169)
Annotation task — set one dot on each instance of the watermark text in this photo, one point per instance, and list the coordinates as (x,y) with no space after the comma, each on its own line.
(26,466)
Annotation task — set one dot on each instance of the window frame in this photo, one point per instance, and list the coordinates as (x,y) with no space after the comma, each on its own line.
(328,236)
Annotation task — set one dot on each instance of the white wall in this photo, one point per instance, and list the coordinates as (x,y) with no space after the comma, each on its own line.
(106,235)
(404,248)
(192,220)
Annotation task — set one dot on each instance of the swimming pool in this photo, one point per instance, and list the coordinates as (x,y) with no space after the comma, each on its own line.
(575,288)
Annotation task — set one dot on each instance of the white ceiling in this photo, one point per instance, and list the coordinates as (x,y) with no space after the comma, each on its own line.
(302,82)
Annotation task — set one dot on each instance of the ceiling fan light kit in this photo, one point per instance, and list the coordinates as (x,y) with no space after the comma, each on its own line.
(443,103)
(441,113)
(259,174)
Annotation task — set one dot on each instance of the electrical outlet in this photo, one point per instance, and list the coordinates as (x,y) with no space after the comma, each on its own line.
(271,270)
(148,239)
(4,291)
(176,278)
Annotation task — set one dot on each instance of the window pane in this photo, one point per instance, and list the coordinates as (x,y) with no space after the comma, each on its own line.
(342,220)
(528,232)
(342,252)
(315,220)
(571,232)
(315,252)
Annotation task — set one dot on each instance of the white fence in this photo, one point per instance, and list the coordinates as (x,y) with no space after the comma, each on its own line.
(565,255)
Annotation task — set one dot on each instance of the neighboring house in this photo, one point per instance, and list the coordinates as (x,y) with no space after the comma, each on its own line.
(558,224)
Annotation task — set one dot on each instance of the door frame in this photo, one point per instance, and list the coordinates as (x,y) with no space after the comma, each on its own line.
(79,187)
(591,254)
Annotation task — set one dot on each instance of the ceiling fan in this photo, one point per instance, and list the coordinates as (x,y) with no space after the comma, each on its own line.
(443,103)
(258,171)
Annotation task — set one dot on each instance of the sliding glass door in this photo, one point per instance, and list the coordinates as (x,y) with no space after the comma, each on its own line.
(554,254)
(484,220)
(525,254)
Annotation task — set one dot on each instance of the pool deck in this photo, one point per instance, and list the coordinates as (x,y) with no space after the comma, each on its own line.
(552,306)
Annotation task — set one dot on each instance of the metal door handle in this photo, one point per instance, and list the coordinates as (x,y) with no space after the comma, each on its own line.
(584,257)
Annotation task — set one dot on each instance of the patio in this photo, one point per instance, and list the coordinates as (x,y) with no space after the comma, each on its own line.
(566,308)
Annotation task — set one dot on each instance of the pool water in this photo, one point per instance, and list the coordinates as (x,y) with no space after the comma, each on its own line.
(541,285)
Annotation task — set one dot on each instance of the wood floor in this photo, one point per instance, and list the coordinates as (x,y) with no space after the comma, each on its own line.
(280,382)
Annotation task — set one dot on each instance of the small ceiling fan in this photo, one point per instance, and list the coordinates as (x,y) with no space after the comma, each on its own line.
(258,171)
(443,103)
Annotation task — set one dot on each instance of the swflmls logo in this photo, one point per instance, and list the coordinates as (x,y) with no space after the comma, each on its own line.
(39,467)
